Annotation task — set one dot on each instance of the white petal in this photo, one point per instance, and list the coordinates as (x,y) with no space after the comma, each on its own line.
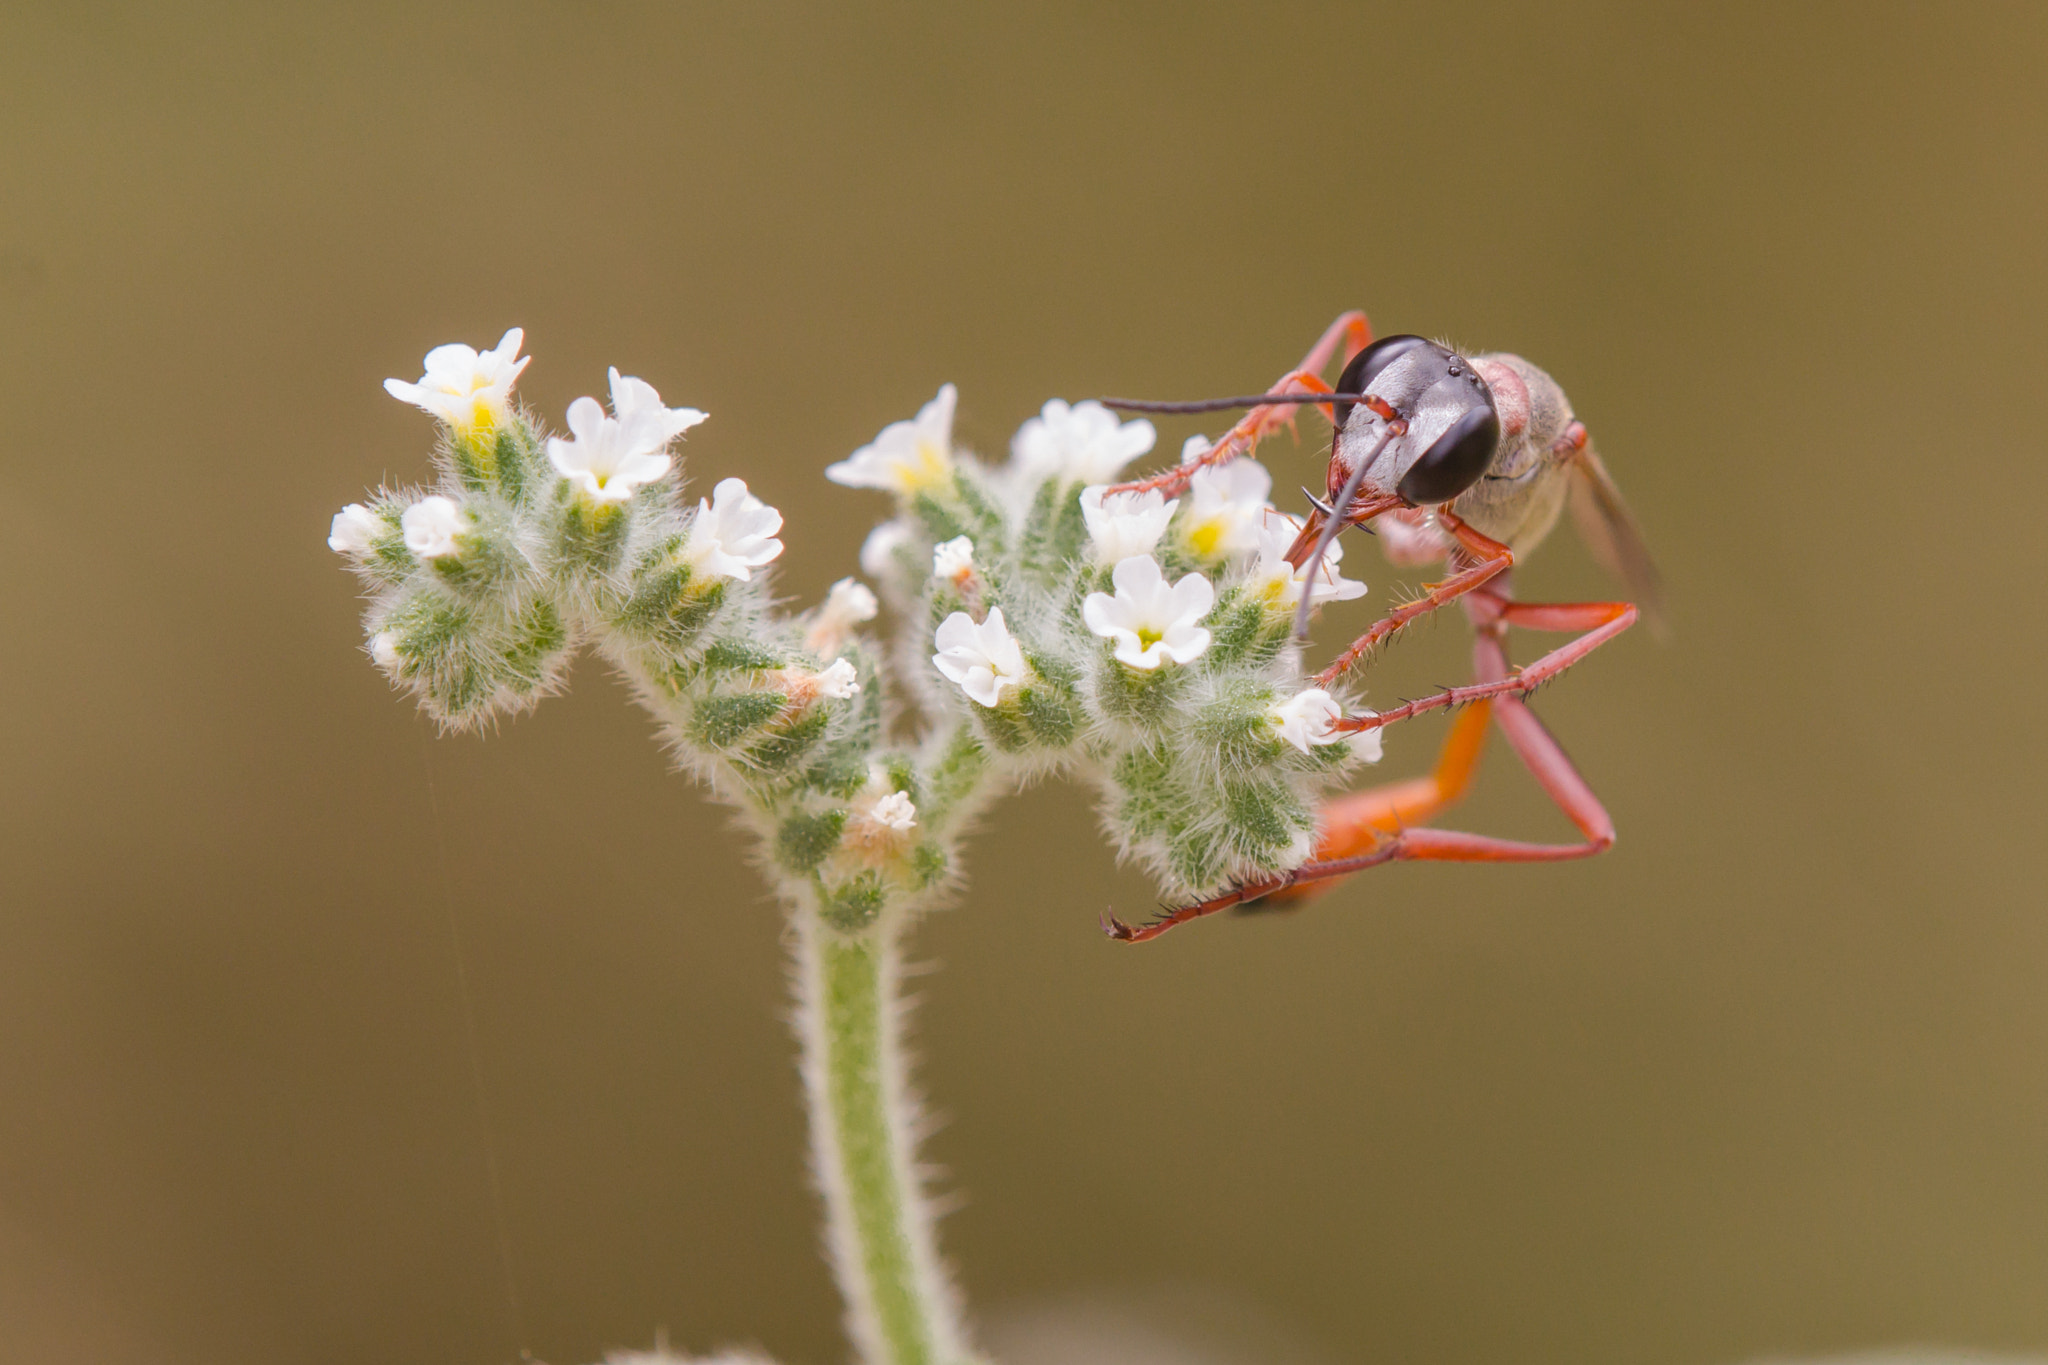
(431,526)
(640,469)
(629,393)
(1100,613)
(1305,719)
(851,600)
(859,470)
(1124,524)
(1147,657)
(878,551)
(1192,597)
(952,558)
(1137,578)
(1003,651)
(957,632)
(354,530)
(895,811)
(982,659)
(1184,644)
(935,419)
(453,364)
(586,420)
(838,681)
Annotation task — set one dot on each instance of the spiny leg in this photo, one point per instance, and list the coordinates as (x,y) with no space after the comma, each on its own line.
(1242,439)
(1492,558)
(1546,761)
(1354,828)
(1356,822)
(1250,891)
(1601,622)
(1351,330)
(1532,743)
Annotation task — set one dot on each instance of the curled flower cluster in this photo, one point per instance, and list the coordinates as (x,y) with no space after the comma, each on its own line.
(1045,622)
(1135,640)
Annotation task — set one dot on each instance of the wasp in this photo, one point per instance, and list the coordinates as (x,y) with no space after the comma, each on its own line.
(1469,460)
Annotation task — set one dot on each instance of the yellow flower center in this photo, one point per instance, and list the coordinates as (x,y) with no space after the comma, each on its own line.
(928,467)
(1205,538)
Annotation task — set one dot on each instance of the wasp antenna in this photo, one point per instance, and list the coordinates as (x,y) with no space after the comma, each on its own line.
(1249,400)
(1331,526)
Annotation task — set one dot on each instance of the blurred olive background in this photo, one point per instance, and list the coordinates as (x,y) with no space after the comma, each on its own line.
(1772,1077)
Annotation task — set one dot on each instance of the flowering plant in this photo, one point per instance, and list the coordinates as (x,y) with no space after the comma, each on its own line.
(1043,624)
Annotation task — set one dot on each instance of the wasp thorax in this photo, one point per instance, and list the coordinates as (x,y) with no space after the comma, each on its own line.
(1427,430)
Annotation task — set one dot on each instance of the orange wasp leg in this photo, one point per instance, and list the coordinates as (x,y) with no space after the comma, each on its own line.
(1375,811)
(1493,558)
(1355,829)
(1351,330)
(1601,621)
(1546,761)
(1356,822)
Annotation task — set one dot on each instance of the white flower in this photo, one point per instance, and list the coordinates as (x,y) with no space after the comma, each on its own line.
(1149,620)
(733,534)
(466,390)
(1365,744)
(633,397)
(882,816)
(907,456)
(984,659)
(953,558)
(1226,504)
(1125,524)
(894,812)
(1084,443)
(1281,583)
(1194,448)
(839,681)
(1305,718)
(850,601)
(431,525)
(612,456)
(384,649)
(878,551)
(847,604)
(354,530)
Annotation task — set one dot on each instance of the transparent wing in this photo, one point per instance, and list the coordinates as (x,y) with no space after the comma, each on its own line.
(1611,533)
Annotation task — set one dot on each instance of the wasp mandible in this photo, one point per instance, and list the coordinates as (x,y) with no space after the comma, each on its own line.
(1469,460)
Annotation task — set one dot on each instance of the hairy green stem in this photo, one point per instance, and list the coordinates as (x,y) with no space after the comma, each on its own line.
(900,1308)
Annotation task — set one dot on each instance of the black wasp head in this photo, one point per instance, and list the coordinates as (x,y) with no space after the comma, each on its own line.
(1367,365)
(1456,459)
(1453,431)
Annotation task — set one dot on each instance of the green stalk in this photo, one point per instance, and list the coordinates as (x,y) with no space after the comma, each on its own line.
(900,1309)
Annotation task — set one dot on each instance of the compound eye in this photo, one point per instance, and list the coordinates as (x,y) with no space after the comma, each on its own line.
(1366,366)
(1455,460)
